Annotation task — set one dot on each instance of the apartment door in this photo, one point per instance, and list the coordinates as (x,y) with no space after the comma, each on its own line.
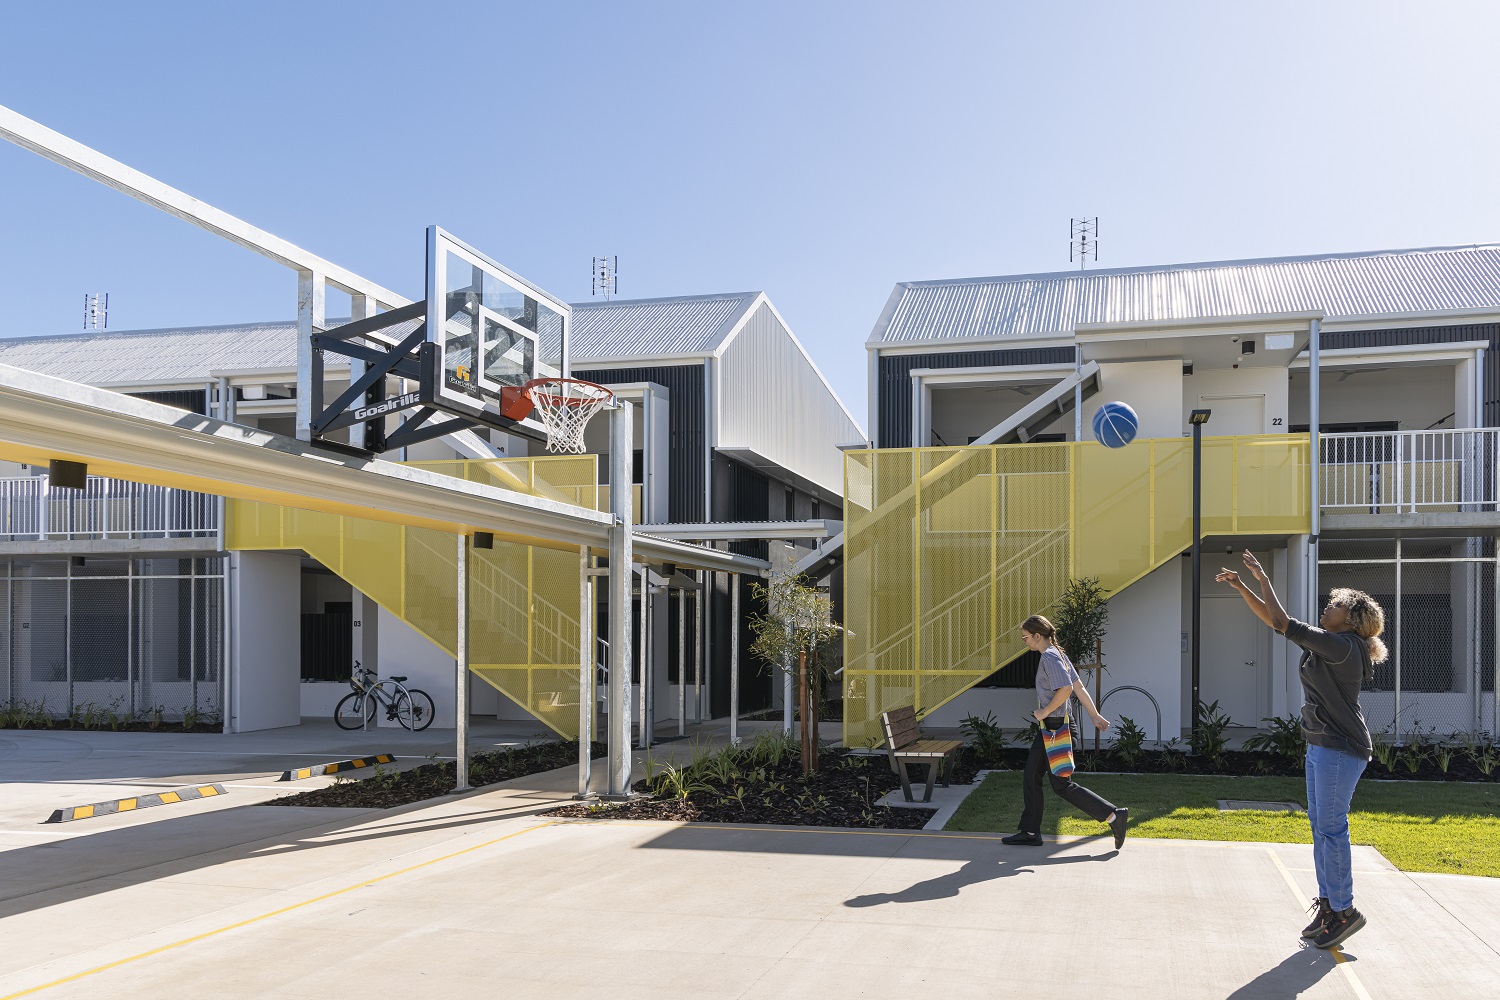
(1234,665)
(1239,414)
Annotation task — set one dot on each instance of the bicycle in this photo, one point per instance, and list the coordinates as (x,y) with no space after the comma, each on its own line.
(409,706)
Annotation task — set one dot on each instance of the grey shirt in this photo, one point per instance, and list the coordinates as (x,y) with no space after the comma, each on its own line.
(1053,673)
(1333,665)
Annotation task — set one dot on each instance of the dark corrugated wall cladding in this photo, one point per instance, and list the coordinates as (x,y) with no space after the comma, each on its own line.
(895,382)
(685,423)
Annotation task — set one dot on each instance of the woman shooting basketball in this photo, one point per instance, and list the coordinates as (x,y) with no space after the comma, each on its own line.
(1336,657)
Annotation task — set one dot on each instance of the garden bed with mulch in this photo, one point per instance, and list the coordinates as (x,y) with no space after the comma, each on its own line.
(382,787)
(762,782)
(110,718)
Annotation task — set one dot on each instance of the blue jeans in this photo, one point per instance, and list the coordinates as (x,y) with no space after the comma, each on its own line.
(1331,777)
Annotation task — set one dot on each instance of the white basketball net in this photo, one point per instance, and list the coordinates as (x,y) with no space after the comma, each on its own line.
(565,406)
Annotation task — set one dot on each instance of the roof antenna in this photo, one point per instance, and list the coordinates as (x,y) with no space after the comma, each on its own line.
(96,311)
(1084,237)
(606,281)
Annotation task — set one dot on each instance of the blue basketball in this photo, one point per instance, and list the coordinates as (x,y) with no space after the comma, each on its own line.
(1115,425)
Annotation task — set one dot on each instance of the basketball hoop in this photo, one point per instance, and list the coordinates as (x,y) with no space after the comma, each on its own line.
(563,405)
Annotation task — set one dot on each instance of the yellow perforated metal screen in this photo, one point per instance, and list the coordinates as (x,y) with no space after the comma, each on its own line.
(948,550)
(523,599)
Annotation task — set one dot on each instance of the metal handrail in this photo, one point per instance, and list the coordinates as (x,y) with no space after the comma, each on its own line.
(1408,472)
(105,508)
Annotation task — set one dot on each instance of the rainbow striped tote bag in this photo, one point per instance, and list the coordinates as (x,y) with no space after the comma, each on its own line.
(1059,746)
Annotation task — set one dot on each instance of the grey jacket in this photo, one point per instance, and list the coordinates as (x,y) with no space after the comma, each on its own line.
(1332,668)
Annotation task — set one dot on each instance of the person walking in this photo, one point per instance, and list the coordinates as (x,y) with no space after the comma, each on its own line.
(1056,682)
(1337,656)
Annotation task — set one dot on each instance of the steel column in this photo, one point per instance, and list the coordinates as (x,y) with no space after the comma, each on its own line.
(461,670)
(646,693)
(698,652)
(734,656)
(1314,455)
(585,672)
(1197,598)
(311,316)
(621,560)
(1395,645)
(681,662)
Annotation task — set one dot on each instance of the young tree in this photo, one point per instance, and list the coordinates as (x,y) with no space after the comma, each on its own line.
(798,634)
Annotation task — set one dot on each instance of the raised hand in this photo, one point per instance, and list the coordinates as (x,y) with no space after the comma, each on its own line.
(1253,565)
(1228,576)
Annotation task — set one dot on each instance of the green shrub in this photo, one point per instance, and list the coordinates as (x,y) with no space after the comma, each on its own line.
(1208,738)
(985,736)
(1129,741)
(1283,738)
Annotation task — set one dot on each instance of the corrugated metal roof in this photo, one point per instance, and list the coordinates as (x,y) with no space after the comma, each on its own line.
(655,328)
(602,331)
(1343,286)
(195,354)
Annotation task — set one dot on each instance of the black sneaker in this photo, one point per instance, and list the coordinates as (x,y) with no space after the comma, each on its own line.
(1023,840)
(1319,918)
(1339,927)
(1122,816)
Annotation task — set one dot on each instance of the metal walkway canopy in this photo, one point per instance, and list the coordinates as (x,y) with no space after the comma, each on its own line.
(44,418)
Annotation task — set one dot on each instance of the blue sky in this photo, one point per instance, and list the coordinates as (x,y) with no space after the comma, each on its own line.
(818,151)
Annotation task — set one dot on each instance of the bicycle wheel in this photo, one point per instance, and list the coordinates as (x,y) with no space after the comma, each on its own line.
(414,709)
(354,711)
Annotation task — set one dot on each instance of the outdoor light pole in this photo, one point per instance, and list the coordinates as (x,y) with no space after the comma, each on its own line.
(1197,419)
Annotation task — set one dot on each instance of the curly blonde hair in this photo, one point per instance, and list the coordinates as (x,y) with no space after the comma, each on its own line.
(1366,618)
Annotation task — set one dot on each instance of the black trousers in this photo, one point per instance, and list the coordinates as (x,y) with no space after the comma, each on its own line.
(1036,768)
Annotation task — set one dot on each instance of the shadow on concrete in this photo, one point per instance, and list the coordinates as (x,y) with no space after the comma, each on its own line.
(1292,977)
(49,756)
(35,877)
(830,842)
(973,873)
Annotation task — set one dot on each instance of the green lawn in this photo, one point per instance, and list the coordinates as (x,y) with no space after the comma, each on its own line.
(1419,826)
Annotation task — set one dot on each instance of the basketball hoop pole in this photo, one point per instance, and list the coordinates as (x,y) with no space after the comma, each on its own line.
(621,561)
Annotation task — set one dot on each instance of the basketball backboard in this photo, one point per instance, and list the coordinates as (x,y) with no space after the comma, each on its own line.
(491,329)
(481,330)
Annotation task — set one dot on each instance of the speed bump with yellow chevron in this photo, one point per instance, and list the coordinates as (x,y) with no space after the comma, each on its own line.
(336,766)
(114,806)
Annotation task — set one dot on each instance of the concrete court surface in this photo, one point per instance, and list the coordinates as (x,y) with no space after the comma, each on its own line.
(43,770)
(472,896)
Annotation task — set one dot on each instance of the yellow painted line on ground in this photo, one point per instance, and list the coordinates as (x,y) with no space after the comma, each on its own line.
(1338,955)
(264,916)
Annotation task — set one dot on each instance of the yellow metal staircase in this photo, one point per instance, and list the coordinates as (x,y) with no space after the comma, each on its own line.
(523,599)
(948,550)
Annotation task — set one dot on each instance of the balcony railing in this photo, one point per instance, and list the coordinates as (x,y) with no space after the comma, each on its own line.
(30,510)
(1410,472)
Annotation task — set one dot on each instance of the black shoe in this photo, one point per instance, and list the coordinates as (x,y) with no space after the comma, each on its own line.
(1339,927)
(1023,840)
(1320,918)
(1122,816)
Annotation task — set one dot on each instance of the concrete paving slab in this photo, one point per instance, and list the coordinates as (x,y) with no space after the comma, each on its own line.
(473,896)
(1473,902)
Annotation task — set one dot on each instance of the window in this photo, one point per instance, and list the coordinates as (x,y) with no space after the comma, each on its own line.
(791,504)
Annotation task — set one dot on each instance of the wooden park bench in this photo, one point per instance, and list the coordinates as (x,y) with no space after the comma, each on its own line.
(904,745)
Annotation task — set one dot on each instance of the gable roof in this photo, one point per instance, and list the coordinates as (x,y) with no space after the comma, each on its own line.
(691,326)
(194,354)
(638,329)
(1343,286)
